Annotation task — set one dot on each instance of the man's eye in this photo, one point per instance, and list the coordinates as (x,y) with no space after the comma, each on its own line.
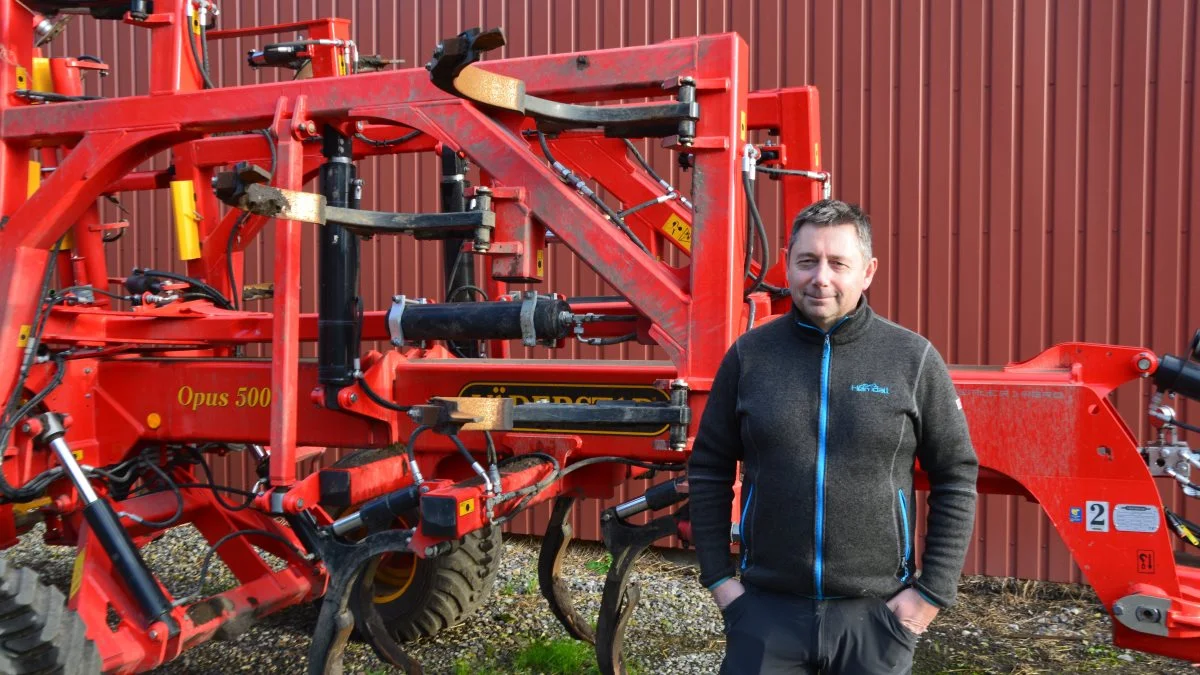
(805,262)
(839,265)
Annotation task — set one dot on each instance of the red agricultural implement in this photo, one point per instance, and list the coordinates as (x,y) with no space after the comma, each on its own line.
(119,391)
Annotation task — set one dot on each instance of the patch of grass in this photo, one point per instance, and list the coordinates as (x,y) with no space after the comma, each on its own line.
(562,657)
(486,664)
(469,666)
(600,565)
(1100,657)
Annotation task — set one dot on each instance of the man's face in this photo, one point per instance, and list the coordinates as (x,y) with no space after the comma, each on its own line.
(827,273)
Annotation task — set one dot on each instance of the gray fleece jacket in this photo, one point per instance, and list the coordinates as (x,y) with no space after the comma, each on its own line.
(828,426)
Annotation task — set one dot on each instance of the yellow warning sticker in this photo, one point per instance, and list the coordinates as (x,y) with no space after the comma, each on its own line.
(77,574)
(816,154)
(742,126)
(466,507)
(541,263)
(23,336)
(680,231)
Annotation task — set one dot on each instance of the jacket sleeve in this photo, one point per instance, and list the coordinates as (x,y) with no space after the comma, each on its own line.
(946,454)
(712,469)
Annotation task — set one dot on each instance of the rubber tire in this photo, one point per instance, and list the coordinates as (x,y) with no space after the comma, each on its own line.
(38,633)
(444,590)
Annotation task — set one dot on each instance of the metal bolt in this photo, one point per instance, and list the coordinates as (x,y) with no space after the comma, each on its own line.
(1143,363)
(397,298)
(1148,614)
(354,398)
(87,371)
(153,635)
(359,125)
(299,503)
(1118,610)
(429,550)
(311,128)
(26,428)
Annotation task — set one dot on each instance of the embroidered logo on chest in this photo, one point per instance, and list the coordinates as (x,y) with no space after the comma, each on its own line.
(869,388)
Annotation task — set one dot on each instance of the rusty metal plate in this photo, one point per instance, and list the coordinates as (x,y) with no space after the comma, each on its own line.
(495,90)
(490,414)
(305,207)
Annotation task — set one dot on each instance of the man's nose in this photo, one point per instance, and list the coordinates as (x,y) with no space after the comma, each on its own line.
(822,274)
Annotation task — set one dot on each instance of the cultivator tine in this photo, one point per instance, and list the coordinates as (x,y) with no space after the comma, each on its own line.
(554,547)
(370,626)
(625,543)
(345,563)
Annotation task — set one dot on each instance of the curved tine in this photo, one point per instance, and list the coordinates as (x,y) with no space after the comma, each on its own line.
(626,543)
(372,629)
(334,625)
(336,622)
(611,638)
(550,558)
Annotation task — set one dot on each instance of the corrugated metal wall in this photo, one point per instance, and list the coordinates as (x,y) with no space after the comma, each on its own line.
(1030,167)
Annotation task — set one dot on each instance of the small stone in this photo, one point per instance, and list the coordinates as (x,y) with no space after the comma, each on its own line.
(1126,657)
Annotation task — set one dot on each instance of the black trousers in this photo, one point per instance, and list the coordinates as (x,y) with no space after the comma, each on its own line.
(774,633)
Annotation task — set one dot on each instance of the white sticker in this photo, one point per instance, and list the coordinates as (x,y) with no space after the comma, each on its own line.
(1135,518)
(1096,517)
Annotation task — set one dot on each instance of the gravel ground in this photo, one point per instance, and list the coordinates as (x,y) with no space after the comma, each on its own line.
(999,626)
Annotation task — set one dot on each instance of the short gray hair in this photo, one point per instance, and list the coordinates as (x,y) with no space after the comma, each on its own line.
(829,212)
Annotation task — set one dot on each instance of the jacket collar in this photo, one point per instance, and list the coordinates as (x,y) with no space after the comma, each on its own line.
(848,328)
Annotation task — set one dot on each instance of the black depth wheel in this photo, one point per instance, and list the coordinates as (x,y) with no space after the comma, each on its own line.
(38,633)
(417,597)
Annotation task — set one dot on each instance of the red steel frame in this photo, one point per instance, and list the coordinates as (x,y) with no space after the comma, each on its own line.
(1038,425)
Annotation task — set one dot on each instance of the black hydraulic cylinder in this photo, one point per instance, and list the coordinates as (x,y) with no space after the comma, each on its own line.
(459,268)
(1177,375)
(460,321)
(127,561)
(381,513)
(338,252)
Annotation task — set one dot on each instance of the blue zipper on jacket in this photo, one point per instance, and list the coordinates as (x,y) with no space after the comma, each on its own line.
(745,528)
(822,428)
(907,540)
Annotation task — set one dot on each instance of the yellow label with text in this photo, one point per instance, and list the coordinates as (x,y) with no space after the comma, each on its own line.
(23,336)
(590,394)
(466,507)
(742,126)
(816,154)
(680,231)
(541,263)
(244,397)
(77,574)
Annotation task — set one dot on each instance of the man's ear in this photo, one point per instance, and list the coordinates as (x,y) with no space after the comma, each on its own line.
(872,265)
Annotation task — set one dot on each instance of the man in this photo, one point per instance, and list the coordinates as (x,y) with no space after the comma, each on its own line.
(827,407)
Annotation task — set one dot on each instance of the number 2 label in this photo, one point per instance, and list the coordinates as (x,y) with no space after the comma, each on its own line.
(1097,516)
